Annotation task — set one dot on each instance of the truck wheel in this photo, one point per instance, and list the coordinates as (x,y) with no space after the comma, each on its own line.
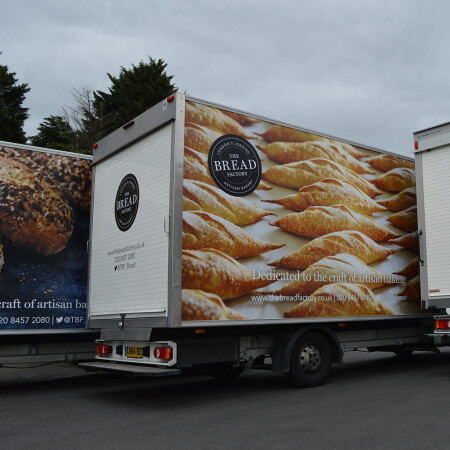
(310,361)
(225,371)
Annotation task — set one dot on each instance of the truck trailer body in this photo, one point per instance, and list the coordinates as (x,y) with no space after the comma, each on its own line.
(433,163)
(227,240)
(44,226)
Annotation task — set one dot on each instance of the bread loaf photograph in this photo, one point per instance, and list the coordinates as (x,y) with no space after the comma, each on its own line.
(44,227)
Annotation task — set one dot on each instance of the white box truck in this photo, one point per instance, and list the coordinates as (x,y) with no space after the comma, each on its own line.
(229,241)
(432,151)
(44,227)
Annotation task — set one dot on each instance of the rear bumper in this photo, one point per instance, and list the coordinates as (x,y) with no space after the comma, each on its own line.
(130,369)
(148,354)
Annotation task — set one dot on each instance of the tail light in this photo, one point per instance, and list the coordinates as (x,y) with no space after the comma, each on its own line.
(103,349)
(164,353)
(443,324)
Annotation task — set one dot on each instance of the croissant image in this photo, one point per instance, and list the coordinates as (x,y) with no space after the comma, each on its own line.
(317,221)
(303,173)
(288,152)
(213,118)
(198,196)
(350,149)
(401,201)
(285,134)
(199,305)
(330,192)
(405,220)
(411,270)
(340,299)
(396,180)
(215,272)
(351,242)
(240,118)
(199,138)
(204,230)
(412,290)
(343,268)
(196,168)
(385,163)
(410,241)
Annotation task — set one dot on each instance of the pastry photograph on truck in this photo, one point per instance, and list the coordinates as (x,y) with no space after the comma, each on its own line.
(228,241)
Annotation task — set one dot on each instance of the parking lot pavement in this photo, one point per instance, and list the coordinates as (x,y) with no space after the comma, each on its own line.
(13,374)
(16,374)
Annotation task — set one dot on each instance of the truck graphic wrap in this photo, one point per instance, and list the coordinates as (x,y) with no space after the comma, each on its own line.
(329,229)
(44,228)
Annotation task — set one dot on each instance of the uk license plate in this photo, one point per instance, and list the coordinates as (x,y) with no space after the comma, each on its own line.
(135,352)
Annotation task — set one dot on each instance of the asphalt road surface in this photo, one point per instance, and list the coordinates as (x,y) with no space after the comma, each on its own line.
(372,401)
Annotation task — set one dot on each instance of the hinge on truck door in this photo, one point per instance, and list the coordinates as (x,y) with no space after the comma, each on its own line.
(167,224)
(420,233)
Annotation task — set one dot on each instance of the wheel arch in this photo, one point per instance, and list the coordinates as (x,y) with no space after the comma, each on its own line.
(285,343)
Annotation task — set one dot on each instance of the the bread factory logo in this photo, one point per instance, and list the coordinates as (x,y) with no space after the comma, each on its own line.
(127,202)
(234,165)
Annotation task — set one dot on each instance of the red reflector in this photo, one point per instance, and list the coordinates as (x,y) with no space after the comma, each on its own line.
(169,99)
(103,349)
(95,146)
(128,125)
(162,352)
(416,145)
(443,324)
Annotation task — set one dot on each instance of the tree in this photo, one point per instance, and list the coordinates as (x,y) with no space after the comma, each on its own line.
(98,113)
(85,123)
(131,93)
(12,113)
(55,132)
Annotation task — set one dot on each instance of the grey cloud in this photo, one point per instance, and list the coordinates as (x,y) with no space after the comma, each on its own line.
(370,72)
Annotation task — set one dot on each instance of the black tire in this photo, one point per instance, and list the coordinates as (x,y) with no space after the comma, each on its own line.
(225,371)
(310,361)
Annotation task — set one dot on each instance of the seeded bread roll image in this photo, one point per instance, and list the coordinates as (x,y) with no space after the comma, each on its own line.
(34,214)
(73,176)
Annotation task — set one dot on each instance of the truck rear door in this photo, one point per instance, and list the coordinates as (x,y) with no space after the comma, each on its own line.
(129,255)
(433,188)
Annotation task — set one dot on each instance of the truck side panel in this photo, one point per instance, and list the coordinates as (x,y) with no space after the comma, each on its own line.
(43,282)
(289,250)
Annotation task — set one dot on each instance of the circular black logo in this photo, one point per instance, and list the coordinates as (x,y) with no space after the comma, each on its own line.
(127,202)
(234,165)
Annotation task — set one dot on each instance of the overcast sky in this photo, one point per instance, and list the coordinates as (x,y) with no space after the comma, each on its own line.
(367,71)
